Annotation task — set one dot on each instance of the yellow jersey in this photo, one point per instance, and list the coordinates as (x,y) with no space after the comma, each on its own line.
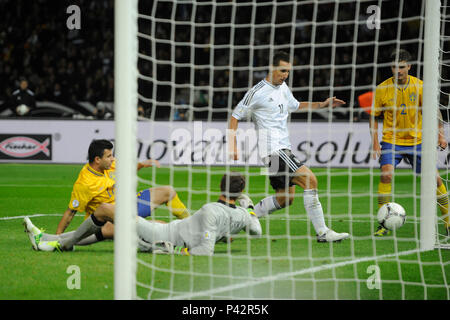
(402,108)
(93,188)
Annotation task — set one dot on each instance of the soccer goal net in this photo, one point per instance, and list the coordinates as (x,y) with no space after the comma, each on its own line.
(198,59)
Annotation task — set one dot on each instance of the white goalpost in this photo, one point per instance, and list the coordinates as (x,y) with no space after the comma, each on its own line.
(189,63)
(125,99)
(430,120)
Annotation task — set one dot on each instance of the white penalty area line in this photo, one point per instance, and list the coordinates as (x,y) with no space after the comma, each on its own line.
(35,216)
(288,275)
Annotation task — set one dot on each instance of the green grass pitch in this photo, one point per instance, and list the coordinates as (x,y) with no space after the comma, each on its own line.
(285,263)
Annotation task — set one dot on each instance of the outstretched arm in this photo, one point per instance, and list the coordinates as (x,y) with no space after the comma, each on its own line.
(333,102)
(148,163)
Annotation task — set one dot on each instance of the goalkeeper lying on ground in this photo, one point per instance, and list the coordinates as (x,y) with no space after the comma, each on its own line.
(198,234)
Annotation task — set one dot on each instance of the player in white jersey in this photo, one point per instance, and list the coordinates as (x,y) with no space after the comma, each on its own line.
(198,234)
(269,104)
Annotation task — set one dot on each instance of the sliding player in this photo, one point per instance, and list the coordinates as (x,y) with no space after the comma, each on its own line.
(198,234)
(95,186)
(399,99)
(269,104)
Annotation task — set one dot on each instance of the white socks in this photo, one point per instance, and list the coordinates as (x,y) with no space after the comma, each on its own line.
(314,210)
(312,205)
(266,206)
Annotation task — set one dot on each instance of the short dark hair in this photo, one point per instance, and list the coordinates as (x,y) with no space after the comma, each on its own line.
(232,185)
(400,55)
(280,56)
(97,148)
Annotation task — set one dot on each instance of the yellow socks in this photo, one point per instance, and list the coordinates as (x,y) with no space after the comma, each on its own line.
(442,199)
(384,193)
(177,208)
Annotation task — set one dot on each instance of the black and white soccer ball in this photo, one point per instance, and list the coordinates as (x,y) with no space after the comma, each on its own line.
(391,216)
(22,109)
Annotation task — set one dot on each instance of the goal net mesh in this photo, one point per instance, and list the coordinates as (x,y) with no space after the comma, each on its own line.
(196,61)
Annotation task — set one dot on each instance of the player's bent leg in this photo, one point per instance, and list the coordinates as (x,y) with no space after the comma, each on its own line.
(107,231)
(144,208)
(89,226)
(266,206)
(305,178)
(167,195)
(105,212)
(285,197)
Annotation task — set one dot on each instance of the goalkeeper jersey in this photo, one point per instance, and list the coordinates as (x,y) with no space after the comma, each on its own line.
(200,232)
(92,188)
(269,107)
(402,110)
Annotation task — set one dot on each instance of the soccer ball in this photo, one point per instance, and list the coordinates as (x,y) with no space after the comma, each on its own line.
(22,109)
(391,216)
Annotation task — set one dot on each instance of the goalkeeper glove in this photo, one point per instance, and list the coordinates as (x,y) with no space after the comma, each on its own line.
(162,247)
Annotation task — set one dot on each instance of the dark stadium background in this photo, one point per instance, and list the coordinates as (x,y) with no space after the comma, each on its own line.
(75,67)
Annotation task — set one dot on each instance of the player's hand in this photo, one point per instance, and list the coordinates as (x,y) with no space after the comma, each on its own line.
(149,163)
(376,150)
(162,247)
(333,102)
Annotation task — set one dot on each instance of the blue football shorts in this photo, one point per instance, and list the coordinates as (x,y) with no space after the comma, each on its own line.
(393,154)
(143,203)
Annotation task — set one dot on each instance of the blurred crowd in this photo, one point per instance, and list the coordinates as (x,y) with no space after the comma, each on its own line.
(189,68)
(60,65)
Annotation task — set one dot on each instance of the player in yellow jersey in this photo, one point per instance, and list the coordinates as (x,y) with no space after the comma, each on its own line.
(399,100)
(95,187)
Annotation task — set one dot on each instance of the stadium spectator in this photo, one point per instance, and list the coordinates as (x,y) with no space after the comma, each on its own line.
(81,61)
(23,100)
(101,112)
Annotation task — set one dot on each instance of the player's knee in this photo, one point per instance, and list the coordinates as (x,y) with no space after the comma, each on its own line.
(310,182)
(105,212)
(284,201)
(305,179)
(170,193)
(386,177)
(290,200)
(313,182)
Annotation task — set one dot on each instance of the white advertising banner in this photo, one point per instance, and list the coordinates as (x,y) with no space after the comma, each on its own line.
(317,144)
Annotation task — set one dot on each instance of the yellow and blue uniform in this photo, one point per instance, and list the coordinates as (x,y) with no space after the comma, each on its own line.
(402,123)
(402,133)
(93,188)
